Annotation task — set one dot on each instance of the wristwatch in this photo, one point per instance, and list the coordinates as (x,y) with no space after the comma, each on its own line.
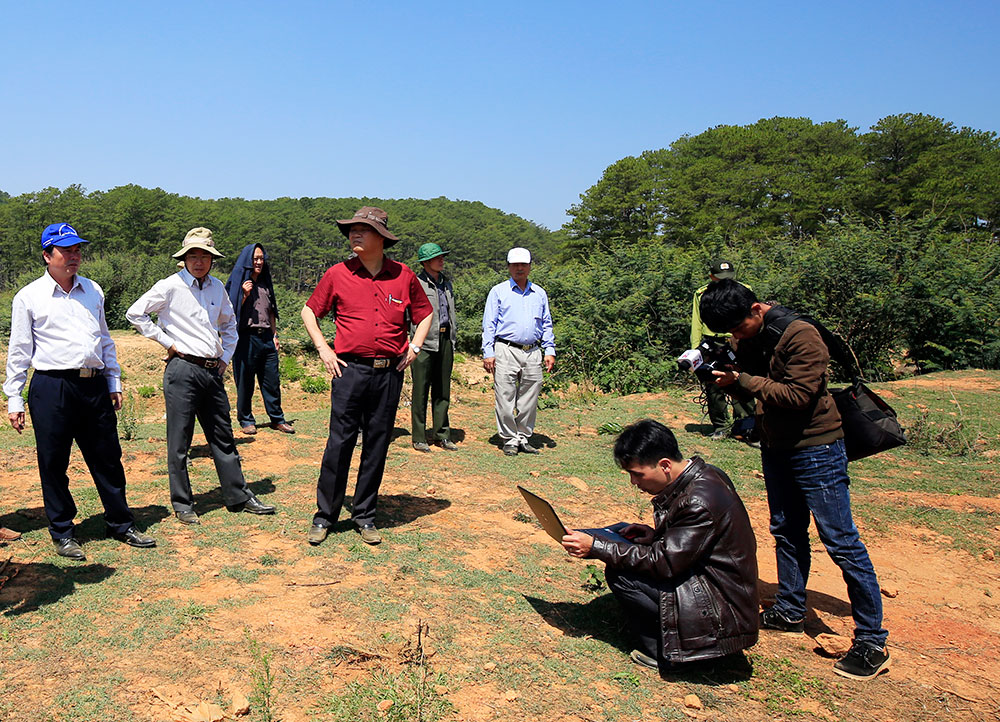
(414,348)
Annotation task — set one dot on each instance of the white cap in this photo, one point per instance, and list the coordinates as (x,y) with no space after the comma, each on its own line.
(518,255)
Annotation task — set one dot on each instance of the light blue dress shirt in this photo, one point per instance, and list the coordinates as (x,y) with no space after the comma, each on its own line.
(521,317)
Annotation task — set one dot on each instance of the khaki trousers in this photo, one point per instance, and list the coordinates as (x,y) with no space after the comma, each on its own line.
(516,383)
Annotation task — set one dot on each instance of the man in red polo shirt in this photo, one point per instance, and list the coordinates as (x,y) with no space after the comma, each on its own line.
(369,296)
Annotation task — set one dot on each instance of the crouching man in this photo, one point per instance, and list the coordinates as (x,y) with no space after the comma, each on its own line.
(688,585)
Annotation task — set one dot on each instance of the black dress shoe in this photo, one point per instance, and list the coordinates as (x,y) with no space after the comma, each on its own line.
(134,538)
(70,548)
(253,505)
(527,449)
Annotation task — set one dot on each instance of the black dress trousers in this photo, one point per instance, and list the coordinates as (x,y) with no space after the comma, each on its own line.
(363,398)
(64,408)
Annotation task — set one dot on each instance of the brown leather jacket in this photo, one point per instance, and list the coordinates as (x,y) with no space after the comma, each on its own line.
(705,550)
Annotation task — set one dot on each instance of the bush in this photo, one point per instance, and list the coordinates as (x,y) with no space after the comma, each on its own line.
(314,385)
(146,392)
(291,369)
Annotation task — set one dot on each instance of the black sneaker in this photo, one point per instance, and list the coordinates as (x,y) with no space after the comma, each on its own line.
(771,618)
(862,661)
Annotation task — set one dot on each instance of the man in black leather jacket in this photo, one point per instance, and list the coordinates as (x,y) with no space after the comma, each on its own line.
(688,584)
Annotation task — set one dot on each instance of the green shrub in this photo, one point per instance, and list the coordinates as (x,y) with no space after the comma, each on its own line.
(314,385)
(146,392)
(291,369)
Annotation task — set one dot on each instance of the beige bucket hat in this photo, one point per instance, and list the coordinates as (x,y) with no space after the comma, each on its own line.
(198,238)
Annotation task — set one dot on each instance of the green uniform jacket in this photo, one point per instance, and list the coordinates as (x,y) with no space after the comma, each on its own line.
(431,343)
(698,329)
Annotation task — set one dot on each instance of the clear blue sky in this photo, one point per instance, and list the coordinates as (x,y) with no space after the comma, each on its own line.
(518,105)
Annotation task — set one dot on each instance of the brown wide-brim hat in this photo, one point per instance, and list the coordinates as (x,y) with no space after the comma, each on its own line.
(198,238)
(370,216)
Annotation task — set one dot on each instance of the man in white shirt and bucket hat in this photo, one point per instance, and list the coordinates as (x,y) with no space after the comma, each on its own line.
(197,327)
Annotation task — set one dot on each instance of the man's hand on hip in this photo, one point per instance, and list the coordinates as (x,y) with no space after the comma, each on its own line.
(331,362)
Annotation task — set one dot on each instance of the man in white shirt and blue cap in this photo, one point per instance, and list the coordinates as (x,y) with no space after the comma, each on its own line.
(197,326)
(58,328)
(517,343)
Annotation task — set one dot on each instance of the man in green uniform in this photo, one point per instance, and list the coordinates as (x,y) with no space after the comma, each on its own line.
(715,396)
(431,369)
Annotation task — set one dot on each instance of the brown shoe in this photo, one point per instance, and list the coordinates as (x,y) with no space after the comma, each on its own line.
(369,534)
(284,427)
(9,535)
(250,430)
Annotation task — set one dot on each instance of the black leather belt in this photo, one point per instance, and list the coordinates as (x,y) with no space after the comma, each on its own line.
(522,346)
(72,373)
(445,328)
(208,363)
(374,362)
(259,331)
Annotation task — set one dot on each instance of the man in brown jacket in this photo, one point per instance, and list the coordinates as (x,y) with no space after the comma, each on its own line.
(783,363)
(688,584)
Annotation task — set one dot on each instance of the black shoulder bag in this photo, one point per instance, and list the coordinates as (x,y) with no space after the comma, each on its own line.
(870,424)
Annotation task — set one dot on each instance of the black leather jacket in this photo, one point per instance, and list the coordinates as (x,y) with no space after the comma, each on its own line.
(703,558)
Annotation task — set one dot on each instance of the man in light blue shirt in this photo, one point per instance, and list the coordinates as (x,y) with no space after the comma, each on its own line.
(517,343)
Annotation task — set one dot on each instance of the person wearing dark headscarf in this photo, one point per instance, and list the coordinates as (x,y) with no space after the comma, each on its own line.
(251,292)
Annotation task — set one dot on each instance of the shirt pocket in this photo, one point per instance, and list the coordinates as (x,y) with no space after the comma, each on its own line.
(87,312)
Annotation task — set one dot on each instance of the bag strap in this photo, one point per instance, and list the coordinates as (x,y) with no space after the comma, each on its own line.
(838,349)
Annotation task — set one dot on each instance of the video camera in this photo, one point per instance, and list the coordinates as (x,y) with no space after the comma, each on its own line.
(709,356)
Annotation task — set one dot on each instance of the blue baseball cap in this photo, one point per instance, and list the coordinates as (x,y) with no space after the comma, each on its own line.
(60,234)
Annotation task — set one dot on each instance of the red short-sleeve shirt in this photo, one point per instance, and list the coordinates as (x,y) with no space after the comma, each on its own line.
(370,313)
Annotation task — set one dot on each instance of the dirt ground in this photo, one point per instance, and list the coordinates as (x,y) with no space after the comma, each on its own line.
(942,606)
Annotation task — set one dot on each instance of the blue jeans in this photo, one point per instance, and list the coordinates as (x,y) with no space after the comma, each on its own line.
(814,479)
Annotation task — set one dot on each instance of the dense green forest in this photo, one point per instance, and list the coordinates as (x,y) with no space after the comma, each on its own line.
(890,236)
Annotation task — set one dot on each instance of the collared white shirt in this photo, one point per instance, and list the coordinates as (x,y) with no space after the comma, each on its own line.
(197,321)
(53,330)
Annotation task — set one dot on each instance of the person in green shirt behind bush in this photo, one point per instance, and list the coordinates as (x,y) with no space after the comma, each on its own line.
(718,412)
(431,369)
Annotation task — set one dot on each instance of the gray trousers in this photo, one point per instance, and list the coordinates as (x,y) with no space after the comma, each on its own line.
(190,392)
(516,383)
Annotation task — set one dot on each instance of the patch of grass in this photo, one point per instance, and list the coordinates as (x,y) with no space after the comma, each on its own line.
(314,385)
(96,701)
(195,611)
(784,684)
(410,696)
(240,574)
(146,392)
(969,530)
(267,560)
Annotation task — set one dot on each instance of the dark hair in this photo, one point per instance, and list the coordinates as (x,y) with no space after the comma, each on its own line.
(725,304)
(646,442)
